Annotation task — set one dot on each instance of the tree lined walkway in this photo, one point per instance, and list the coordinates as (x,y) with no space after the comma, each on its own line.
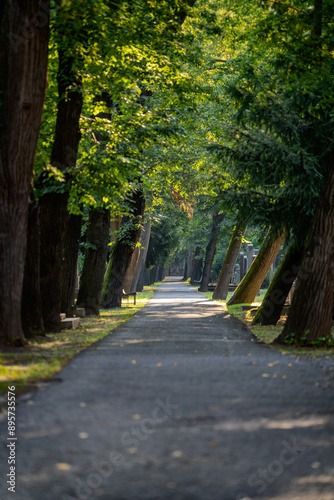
(180,403)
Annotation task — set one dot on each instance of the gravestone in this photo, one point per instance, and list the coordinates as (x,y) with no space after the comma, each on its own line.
(250,249)
(242,263)
(237,274)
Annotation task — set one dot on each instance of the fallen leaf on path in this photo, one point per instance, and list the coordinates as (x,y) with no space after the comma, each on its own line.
(273,364)
(177,453)
(132,450)
(253,363)
(136,416)
(265,375)
(63,466)
(133,361)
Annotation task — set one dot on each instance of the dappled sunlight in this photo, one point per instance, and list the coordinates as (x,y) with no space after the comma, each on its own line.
(41,433)
(320,479)
(266,423)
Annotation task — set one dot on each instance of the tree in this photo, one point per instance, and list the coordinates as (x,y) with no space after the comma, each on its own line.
(24,33)
(270,310)
(196,266)
(70,263)
(211,250)
(127,239)
(226,272)
(250,285)
(31,309)
(91,281)
(310,318)
(144,243)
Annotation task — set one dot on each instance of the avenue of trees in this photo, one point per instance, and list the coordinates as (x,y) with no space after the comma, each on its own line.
(134,131)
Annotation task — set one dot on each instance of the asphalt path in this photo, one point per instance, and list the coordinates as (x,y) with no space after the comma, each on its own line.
(179,403)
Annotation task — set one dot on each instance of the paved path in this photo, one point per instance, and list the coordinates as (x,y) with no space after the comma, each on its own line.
(180,403)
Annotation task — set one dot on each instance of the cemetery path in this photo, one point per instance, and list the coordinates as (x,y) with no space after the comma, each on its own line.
(180,403)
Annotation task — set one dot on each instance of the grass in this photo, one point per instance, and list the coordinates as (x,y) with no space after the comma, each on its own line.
(43,357)
(267,334)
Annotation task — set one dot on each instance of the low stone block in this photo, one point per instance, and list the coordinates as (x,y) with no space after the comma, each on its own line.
(80,312)
(70,323)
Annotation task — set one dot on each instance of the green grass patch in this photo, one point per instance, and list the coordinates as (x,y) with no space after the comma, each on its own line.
(267,334)
(42,357)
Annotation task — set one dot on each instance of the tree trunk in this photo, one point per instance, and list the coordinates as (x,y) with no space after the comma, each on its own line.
(250,285)
(53,216)
(122,253)
(91,281)
(270,311)
(161,272)
(211,251)
(24,34)
(188,265)
(70,263)
(197,266)
(31,312)
(144,242)
(226,272)
(141,280)
(155,273)
(310,316)
(54,204)
(131,270)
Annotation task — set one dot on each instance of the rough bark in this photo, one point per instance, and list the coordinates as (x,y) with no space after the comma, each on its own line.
(91,281)
(53,204)
(270,311)
(131,270)
(226,272)
(144,242)
(122,253)
(31,311)
(141,280)
(70,263)
(249,286)
(211,251)
(188,265)
(196,266)
(310,316)
(24,33)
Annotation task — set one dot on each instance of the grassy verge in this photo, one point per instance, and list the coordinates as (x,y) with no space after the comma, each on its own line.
(267,334)
(45,356)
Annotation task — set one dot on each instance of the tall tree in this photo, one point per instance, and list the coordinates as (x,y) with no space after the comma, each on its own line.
(24,34)
(144,243)
(91,281)
(311,313)
(70,263)
(250,285)
(270,310)
(127,239)
(211,251)
(226,272)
